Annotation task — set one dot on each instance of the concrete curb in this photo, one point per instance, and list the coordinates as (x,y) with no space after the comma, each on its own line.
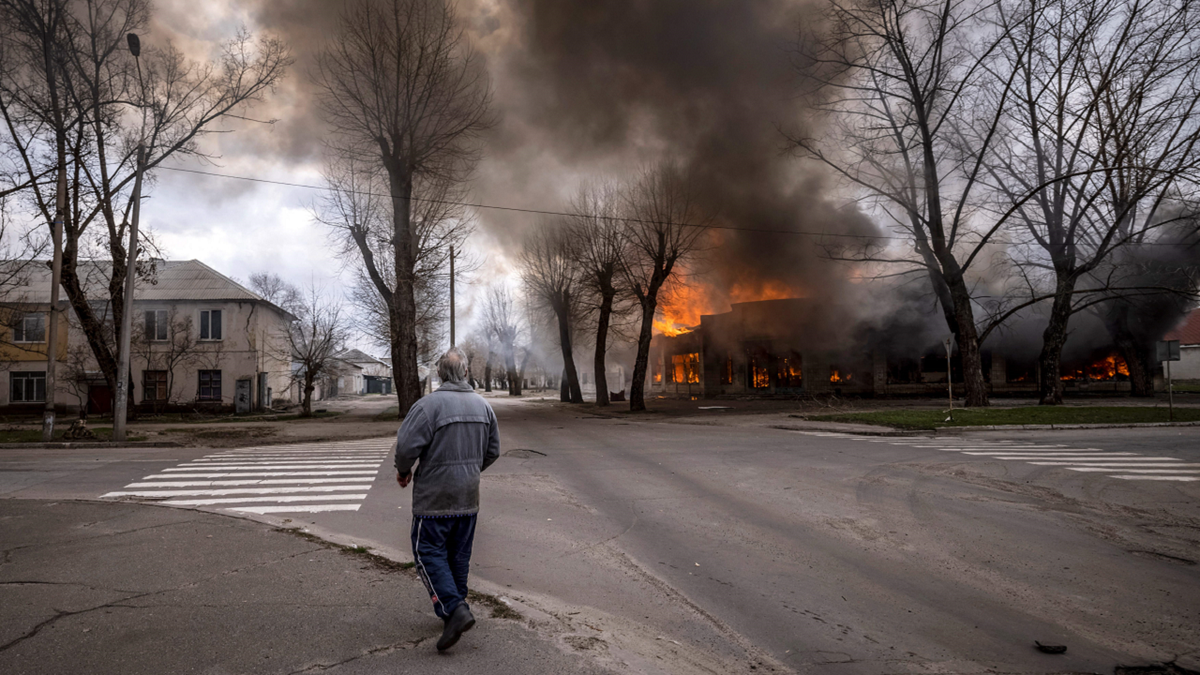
(855,430)
(1064,427)
(88,445)
(881,430)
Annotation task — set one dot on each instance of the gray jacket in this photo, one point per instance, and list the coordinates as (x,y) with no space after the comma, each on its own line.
(453,432)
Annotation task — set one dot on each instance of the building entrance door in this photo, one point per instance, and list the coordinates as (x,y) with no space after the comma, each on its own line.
(99,399)
(241,396)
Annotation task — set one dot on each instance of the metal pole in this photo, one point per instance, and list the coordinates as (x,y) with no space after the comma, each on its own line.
(53,316)
(1170,391)
(452,342)
(121,405)
(950,379)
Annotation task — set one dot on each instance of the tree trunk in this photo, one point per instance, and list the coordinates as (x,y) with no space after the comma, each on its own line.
(574,394)
(306,400)
(1053,339)
(637,398)
(1138,358)
(487,375)
(606,302)
(404,306)
(93,328)
(510,368)
(974,383)
(564,390)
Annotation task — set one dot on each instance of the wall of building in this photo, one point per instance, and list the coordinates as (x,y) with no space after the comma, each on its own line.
(1188,365)
(251,343)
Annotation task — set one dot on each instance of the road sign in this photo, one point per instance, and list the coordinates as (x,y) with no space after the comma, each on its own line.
(1167,350)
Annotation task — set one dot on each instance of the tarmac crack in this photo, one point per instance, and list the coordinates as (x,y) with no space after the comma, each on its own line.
(374,651)
(79,584)
(60,615)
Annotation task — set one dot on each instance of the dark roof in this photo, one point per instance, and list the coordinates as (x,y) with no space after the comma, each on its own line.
(1188,330)
(356,356)
(173,280)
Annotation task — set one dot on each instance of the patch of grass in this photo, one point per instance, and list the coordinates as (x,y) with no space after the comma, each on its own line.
(35,435)
(934,419)
(392,414)
(194,418)
(1192,387)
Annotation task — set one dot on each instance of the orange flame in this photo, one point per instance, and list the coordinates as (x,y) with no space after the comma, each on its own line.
(1105,369)
(835,376)
(683,306)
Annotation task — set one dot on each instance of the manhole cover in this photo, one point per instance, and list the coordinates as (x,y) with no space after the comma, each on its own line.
(523,453)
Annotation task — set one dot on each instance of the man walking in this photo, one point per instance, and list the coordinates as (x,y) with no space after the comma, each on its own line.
(452,435)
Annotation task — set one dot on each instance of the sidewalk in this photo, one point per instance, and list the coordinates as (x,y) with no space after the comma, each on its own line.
(90,587)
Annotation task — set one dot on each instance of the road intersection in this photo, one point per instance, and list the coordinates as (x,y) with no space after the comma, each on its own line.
(711,543)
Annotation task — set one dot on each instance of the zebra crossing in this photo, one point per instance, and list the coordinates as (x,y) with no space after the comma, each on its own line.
(308,478)
(1119,465)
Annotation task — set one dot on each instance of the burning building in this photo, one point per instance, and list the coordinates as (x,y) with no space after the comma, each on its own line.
(796,346)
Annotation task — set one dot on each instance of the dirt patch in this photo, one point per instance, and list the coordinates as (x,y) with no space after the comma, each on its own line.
(585,643)
(242,432)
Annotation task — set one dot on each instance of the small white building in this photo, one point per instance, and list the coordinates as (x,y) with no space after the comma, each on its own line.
(373,376)
(1188,334)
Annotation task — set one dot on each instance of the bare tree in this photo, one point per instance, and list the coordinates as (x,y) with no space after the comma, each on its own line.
(894,80)
(69,92)
(272,288)
(311,342)
(501,322)
(551,276)
(1100,135)
(401,84)
(599,235)
(664,227)
(166,347)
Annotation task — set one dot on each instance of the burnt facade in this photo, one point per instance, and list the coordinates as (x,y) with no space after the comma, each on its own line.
(788,348)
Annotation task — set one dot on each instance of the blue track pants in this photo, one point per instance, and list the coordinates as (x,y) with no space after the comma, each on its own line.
(442,553)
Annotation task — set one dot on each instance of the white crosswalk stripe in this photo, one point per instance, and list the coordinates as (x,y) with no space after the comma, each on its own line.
(271,479)
(1123,465)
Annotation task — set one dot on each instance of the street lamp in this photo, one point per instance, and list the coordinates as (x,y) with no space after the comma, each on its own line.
(121,405)
(55,279)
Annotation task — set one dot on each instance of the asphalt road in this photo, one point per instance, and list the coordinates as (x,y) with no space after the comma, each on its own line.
(697,545)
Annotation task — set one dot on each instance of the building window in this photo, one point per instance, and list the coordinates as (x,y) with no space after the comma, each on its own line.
(727,370)
(156,324)
(685,368)
(28,387)
(31,328)
(210,324)
(759,376)
(210,385)
(839,375)
(154,385)
(791,372)
(658,372)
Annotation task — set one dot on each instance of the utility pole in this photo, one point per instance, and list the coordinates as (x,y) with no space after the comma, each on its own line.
(452,342)
(121,405)
(53,315)
(949,381)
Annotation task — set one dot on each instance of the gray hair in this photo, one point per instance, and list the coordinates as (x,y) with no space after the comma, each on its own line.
(452,367)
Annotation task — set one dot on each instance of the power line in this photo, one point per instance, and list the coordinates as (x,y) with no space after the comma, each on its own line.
(539,212)
(569,214)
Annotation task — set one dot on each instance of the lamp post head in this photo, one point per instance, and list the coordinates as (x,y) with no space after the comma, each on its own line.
(135,45)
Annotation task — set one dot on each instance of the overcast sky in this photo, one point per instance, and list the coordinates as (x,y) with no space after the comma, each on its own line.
(582,88)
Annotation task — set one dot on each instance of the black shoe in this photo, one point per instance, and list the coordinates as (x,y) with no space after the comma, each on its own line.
(461,620)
